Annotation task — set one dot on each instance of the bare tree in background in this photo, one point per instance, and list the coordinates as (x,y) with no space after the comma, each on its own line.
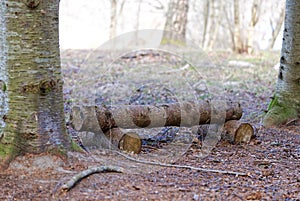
(137,22)
(114,17)
(255,14)
(216,18)
(211,15)
(276,24)
(206,10)
(176,22)
(242,34)
(237,42)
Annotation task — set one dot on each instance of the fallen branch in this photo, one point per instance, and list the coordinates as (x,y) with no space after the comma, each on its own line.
(76,178)
(183,166)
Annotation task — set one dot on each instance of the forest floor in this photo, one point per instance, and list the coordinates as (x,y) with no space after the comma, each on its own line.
(270,162)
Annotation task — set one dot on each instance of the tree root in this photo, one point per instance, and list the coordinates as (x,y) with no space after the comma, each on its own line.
(85,173)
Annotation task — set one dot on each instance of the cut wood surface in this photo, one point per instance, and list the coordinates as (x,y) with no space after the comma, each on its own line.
(187,114)
(129,141)
(237,132)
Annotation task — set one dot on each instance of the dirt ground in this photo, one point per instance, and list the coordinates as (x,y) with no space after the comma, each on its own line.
(270,162)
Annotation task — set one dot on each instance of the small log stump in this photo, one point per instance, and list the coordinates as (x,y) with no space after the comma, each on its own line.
(237,132)
(129,141)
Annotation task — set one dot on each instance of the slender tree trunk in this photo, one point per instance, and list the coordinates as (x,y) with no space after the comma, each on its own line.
(255,12)
(277,28)
(230,25)
(211,25)
(205,15)
(113,19)
(137,24)
(176,22)
(285,105)
(30,58)
(237,46)
(216,23)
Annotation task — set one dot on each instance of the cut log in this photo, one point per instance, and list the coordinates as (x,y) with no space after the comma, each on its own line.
(185,114)
(129,141)
(86,120)
(237,132)
(110,119)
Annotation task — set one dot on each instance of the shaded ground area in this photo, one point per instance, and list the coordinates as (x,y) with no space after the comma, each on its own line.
(271,161)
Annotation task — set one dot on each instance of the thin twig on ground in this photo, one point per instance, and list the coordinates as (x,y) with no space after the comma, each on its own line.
(183,166)
(85,173)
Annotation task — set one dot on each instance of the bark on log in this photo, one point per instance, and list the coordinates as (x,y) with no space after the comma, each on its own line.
(237,132)
(108,120)
(146,116)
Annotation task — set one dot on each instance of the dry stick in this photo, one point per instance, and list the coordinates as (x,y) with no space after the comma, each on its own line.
(76,178)
(182,166)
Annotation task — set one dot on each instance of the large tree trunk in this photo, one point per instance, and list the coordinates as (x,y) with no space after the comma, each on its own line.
(30,59)
(285,105)
(176,22)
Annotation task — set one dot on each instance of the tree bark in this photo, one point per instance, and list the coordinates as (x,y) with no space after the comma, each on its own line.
(285,105)
(30,59)
(145,116)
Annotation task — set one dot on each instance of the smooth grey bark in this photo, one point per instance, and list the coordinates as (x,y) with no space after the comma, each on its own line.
(30,59)
(285,105)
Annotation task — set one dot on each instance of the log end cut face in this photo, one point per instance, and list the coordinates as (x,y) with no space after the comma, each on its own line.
(244,133)
(131,142)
